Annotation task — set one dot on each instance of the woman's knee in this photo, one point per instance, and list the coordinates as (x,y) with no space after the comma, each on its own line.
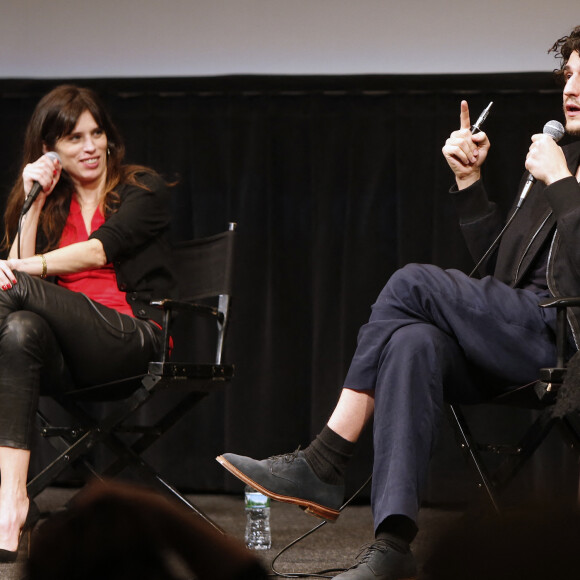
(22,328)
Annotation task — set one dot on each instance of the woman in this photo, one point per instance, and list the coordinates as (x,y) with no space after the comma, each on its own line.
(84,262)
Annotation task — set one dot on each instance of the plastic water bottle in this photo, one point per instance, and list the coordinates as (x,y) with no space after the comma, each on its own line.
(258,536)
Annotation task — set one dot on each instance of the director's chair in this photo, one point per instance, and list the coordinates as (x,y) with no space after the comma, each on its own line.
(204,273)
(496,464)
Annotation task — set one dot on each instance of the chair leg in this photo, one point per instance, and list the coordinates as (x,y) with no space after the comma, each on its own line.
(152,433)
(130,455)
(570,430)
(465,438)
(72,450)
(131,459)
(532,439)
(515,457)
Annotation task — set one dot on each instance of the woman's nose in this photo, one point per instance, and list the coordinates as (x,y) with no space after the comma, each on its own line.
(89,144)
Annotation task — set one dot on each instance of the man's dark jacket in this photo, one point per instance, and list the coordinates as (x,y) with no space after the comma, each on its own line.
(549,215)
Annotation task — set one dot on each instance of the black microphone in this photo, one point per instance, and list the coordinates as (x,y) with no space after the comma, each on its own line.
(36,187)
(556,130)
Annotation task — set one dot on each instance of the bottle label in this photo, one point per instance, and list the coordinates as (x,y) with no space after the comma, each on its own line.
(255,499)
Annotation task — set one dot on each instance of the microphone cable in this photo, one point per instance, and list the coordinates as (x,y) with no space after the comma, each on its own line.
(555,130)
(321,573)
(494,243)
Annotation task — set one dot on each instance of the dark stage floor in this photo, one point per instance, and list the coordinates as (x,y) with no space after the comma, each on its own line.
(331,546)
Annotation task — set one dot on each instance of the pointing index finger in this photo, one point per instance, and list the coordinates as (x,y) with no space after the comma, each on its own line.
(464,116)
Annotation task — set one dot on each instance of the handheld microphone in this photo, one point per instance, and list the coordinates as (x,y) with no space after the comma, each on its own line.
(36,187)
(556,130)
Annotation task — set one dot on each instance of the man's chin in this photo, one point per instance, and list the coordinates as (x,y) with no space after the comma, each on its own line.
(573,128)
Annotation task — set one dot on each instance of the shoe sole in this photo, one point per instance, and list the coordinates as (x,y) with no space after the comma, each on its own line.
(315,509)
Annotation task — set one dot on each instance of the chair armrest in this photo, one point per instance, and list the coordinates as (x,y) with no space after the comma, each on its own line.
(202,309)
(562,302)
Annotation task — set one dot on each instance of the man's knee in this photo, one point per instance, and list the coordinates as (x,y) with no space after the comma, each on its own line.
(419,340)
(410,281)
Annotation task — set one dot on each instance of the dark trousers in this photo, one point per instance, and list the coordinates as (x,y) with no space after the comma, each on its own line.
(436,335)
(52,338)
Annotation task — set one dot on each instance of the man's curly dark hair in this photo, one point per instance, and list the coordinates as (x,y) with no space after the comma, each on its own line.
(563,49)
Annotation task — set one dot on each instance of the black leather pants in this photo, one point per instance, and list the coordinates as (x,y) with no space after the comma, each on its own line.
(54,339)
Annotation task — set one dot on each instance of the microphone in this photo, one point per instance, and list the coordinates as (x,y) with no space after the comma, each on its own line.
(556,130)
(36,187)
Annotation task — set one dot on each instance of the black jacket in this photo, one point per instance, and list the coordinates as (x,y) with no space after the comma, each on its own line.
(548,215)
(135,241)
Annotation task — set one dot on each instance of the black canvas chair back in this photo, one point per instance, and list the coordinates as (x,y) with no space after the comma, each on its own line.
(496,464)
(204,266)
(204,269)
(204,272)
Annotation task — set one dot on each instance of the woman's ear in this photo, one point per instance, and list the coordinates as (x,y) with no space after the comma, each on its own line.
(44,148)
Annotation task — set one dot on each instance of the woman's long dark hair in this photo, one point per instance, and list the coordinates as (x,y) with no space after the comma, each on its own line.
(54,117)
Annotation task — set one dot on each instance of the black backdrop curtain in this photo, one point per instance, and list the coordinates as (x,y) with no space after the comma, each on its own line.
(335,182)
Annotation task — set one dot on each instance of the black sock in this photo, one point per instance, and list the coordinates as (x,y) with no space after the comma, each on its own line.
(398,531)
(328,455)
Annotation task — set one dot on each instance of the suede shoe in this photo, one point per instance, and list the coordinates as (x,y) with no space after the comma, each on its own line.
(290,479)
(379,561)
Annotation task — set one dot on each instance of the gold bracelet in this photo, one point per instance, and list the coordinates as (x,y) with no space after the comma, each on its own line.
(44,266)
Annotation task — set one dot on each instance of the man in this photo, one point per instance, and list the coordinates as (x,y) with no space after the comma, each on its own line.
(438,334)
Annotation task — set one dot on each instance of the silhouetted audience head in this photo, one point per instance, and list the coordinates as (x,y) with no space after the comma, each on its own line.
(115,531)
(539,542)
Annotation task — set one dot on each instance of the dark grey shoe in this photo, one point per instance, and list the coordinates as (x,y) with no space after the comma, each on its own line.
(290,479)
(379,561)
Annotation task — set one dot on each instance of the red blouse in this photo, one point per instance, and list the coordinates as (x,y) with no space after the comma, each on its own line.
(99,284)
